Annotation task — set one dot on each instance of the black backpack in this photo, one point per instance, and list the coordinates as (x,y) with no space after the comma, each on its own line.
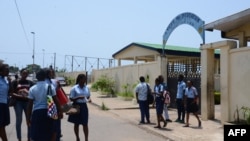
(150,97)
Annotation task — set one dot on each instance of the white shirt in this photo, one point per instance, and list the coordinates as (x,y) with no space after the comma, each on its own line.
(142,90)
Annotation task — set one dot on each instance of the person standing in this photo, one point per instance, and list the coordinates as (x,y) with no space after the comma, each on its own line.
(159,102)
(20,93)
(41,125)
(141,92)
(4,94)
(80,95)
(191,102)
(166,98)
(50,75)
(179,99)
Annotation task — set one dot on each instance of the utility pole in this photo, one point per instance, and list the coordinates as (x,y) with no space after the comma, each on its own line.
(33,56)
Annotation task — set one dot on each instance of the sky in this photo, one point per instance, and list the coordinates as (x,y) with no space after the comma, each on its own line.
(98,28)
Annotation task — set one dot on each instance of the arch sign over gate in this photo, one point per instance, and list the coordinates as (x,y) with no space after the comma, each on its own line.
(184,18)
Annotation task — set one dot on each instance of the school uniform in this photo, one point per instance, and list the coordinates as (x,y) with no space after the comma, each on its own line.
(191,93)
(41,125)
(83,116)
(4,112)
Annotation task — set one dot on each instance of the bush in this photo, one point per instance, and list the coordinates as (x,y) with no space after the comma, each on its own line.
(216,98)
(104,84)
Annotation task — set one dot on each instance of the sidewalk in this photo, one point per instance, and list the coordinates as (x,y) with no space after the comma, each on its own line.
(211,130)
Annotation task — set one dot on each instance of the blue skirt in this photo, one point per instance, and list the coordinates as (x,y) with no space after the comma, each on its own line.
(4,115)
(82,117)
(192,106)
(159,104)
(42,127)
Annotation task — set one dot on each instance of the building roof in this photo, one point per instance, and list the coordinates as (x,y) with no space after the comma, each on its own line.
(170,50)
(230,23)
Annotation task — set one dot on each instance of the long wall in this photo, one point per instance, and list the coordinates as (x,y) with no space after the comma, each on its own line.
(129,74)
(239,76)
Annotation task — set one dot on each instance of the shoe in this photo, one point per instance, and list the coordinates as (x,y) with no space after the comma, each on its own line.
(182,121)
(165,124)
(177,120)
(141,122)
(199,124)
(168,120)
(186,125)
(157,127)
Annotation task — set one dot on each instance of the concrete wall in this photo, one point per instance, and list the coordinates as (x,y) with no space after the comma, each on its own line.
(129,74)
(239,76)
(234,79)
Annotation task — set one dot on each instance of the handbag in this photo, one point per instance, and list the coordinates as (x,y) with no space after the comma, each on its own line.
(52,111)
(12,101)
(62,97)
(71,109)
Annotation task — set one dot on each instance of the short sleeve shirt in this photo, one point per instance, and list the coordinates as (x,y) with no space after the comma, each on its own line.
(191,92)
(142,90)
(180,89)
(38,93)
(4,89)
(77,91)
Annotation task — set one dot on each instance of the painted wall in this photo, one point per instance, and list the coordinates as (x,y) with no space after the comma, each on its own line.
(239,76)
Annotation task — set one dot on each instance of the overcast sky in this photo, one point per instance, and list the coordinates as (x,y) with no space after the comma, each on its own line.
(98,28)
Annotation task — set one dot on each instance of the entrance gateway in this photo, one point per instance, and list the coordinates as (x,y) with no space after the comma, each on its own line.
(189,67)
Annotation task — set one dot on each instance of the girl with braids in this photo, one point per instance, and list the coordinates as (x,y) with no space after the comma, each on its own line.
(80,95)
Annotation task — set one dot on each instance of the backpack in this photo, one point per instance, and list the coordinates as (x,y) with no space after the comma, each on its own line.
(166,96)
(150,97)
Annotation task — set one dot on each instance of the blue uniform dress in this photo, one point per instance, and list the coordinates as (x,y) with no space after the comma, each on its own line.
(159,101)
(41,125)
(192,106)
(4,112)
(83,116)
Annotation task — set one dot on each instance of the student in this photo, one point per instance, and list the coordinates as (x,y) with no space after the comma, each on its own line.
(50,74)
(179,99)
(41,125)
(4,94)
(141,92)
(159,102)
(191,102)
(21,90)
(80,95)
(166,98)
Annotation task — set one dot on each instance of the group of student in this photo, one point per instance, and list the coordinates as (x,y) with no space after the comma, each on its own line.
(31,99)
(187,101)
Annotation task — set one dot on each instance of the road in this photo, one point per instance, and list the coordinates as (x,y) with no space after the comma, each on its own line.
(103,126)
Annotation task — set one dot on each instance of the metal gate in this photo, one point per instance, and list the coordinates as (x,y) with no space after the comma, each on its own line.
(190,68)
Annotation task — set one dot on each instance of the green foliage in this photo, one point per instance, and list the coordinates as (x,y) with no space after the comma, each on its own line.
(104,84)
(216,98)
(246,114)
(104,107)
(70,81)
(128,90)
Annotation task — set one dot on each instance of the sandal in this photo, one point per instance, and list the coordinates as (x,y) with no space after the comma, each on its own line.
(165,124)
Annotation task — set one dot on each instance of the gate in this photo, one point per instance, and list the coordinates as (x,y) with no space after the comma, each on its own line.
(190,68)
